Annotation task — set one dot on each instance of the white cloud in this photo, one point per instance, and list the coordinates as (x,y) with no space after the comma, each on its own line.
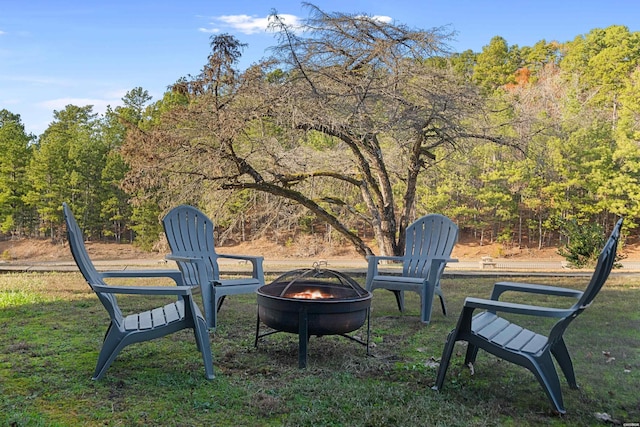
(382,18)
(2,32)
(247,24)
(209,30)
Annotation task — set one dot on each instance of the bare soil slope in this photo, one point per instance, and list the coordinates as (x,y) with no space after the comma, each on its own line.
(44,250)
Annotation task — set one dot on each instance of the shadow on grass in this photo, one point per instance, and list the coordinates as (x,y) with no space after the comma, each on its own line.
(51,327)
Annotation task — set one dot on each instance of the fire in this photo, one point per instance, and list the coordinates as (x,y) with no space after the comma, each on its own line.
(310,294)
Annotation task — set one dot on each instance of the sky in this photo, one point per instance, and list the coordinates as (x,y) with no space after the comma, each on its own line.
(92,52)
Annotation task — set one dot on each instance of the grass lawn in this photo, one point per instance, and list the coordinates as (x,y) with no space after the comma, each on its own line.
(52,325)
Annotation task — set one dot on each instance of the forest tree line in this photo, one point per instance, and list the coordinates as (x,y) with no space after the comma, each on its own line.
(349,132)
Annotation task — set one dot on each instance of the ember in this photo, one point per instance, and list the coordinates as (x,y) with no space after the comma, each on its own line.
(310,294)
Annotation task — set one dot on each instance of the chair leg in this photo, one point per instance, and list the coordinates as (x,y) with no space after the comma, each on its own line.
(546,374)
(220,301)
(444,360)
(399,300)
(197,337)
(442,304)
(217,304)
(472,353)
(426,303)
(560,352)
(111,347)
(202,340)
(208,300)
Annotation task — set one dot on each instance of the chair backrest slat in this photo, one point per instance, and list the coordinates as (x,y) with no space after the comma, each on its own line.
(432,236)
(190,233)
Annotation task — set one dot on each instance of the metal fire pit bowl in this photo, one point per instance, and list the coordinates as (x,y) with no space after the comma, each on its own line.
(313,302)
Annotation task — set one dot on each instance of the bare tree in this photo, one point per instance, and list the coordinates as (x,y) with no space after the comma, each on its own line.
(346,102)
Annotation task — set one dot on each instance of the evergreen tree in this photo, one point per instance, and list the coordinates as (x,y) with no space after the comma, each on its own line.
(67,166)
(15,154)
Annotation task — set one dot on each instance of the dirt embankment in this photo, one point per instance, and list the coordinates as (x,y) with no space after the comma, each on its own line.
(44,250)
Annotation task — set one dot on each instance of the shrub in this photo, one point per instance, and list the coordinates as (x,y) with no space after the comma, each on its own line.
(584,242)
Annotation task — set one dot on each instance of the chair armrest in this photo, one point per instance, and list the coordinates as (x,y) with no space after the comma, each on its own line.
(508,307)
(377,258)
(372,268)
(373,260)
(437,267)
(143,290)
(501,287)
(256,262)
(181,258)
(435,261)
(250,258)
(175,275)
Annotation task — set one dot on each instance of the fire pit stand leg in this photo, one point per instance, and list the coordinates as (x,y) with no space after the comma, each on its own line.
(255,343)
(368,330)
(259,335)
(303,337)
(360,341)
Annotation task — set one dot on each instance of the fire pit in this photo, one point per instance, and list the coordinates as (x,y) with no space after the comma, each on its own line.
(313,302)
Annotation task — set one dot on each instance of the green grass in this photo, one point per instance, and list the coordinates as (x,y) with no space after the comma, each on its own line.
(51,327)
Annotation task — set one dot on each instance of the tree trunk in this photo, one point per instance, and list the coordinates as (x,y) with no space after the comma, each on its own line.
(358,243)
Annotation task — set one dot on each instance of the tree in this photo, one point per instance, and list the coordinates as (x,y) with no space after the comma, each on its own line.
(622,191)
(15,154)
(598,64)
(114,206)
(365,85)
(496,65)
(67,166)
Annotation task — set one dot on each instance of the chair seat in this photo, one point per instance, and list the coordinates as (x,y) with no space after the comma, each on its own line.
(505,334)
(238,282)
(384,281)
(155,318)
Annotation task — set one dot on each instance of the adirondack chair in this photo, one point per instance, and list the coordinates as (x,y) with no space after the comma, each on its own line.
(124,330)
(498,336)
(190,236)
(429,243)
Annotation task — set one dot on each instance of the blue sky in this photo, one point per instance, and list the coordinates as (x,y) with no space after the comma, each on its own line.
(87,52)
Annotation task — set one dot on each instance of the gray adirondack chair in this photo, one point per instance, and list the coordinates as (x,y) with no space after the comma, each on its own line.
(498,336)
(429,243)
(147,325)
(190,236)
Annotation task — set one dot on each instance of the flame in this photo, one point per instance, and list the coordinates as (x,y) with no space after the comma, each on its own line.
(310,294)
